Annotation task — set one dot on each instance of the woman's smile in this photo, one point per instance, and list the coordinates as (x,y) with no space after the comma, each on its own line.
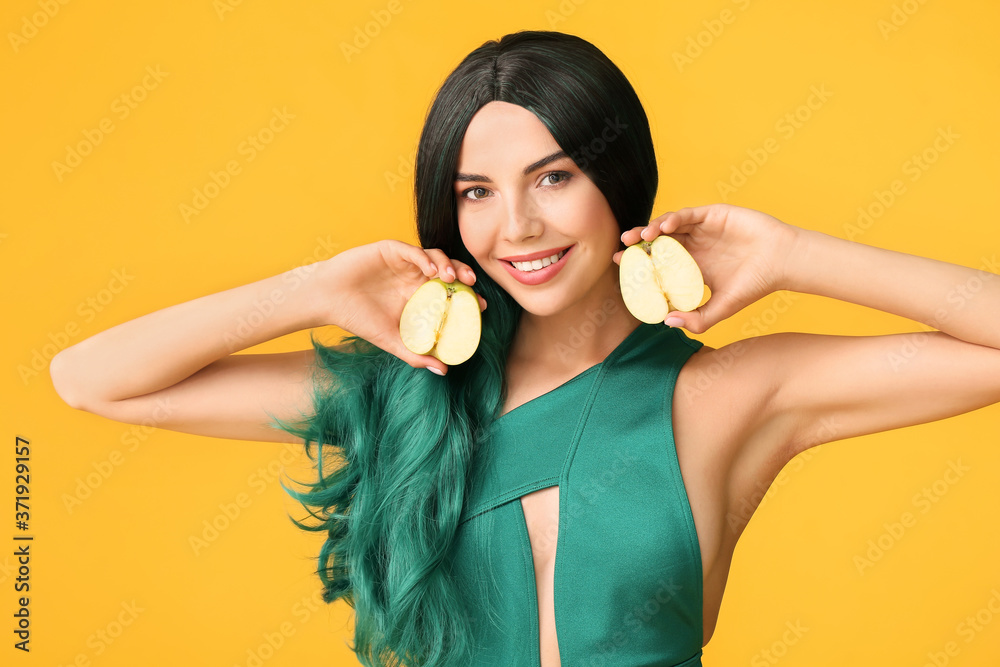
(538,271)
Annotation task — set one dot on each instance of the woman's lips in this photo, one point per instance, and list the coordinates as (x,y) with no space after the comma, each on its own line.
(541,275)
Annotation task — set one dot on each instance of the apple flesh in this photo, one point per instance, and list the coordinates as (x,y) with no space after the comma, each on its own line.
(657,277)
(443,320)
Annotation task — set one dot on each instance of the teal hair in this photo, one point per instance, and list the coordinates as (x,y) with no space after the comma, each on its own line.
(395,445)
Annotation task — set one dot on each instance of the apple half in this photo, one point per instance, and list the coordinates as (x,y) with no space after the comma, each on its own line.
(657,277)
(443,320)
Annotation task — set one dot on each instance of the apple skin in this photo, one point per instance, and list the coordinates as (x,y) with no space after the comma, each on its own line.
(657,277)
(443,320)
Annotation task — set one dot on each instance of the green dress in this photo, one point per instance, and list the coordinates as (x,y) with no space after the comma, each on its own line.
(628,574)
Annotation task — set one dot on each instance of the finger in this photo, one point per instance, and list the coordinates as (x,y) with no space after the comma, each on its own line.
(670,222)
(434,365)
(394,345)
(418,256)
(690,217)
(465,272)
(632,236)
(482,303)
(681,221)
(717,308)
(617,257)
(428,362)
(655,226)
(420,361)
(445,267)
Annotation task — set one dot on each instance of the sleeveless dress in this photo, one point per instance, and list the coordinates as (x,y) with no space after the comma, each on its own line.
(628,575)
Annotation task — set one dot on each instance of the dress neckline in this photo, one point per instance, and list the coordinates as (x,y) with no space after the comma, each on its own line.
(619,349)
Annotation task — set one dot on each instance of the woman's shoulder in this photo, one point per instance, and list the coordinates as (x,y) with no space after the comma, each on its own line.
(738,375)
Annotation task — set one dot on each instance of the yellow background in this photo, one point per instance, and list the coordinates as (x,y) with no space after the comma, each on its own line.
(324,184)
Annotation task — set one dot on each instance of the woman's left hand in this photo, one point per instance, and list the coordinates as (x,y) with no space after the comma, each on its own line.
(741,252)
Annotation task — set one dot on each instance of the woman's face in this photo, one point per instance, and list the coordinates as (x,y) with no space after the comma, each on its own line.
(509,205)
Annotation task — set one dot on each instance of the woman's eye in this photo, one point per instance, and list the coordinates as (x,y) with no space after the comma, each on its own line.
(560,176)
(465,194)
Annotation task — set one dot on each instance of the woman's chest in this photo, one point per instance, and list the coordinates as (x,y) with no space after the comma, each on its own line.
(578,510)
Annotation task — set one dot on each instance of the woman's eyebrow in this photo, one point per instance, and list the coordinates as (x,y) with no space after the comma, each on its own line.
(537,164)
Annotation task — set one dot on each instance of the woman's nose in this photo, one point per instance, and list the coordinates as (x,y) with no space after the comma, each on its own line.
(524,217)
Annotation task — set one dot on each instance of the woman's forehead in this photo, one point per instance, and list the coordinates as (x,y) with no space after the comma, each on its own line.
(504,137)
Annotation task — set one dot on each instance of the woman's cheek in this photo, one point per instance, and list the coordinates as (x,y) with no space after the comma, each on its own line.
(474,243)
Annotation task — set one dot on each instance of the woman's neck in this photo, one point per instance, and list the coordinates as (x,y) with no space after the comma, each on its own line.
(574,339)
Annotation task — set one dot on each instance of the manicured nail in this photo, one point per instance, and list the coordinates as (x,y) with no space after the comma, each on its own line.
(673,322)
(434,370)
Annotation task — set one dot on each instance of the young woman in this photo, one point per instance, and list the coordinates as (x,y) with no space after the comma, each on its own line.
(630,445)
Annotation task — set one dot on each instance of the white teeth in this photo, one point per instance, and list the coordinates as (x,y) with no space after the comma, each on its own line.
(538,263)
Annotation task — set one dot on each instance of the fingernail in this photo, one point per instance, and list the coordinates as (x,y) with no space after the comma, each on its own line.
(434,370)
(673,322)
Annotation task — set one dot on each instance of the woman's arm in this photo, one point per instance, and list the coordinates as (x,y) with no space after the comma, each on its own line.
(960,301)
(174,368)
(160,349)
(838,387)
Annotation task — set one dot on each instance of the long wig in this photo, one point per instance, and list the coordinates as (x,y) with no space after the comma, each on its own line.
(394,445)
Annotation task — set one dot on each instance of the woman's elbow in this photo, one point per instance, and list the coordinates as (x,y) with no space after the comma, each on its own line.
(59,372)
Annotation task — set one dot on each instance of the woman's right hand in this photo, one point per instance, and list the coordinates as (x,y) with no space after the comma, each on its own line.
(367,287)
